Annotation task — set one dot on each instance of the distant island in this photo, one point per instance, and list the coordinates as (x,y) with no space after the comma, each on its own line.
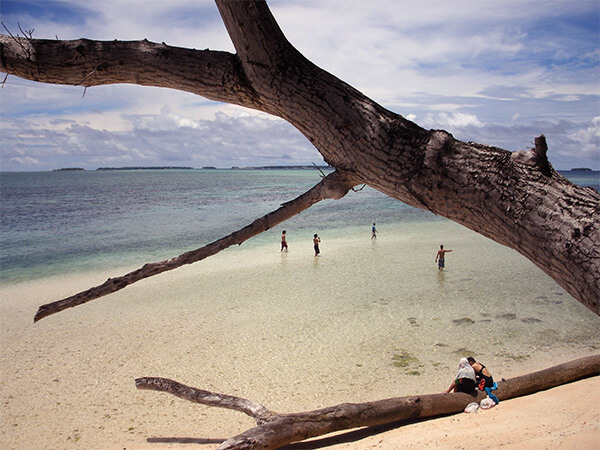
(581,169)
(78,169)
(280,167)
(146,168)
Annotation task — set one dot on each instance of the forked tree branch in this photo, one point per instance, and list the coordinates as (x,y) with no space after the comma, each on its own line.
(334,186)
(195,395)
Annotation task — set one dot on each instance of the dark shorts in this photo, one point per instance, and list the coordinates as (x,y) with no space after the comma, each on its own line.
(317,249)
(465,385)
(489,381)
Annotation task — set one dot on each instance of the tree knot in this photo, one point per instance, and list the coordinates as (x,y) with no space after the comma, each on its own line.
(414,400)
(537,156)
(337,184)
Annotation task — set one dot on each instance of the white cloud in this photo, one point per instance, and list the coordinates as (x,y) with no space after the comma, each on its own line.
(160,139)
(27,161)
(451,121)
(589,140)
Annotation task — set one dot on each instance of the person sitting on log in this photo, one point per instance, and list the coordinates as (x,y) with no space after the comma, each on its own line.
(485,381)
(465,378)
(483,376)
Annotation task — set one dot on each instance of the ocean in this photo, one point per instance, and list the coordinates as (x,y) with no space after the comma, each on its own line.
(56,222)
(65,221)
(368,319)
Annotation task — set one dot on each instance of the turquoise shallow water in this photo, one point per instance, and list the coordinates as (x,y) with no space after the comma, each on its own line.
(80,222)
(57,222)
(60,222)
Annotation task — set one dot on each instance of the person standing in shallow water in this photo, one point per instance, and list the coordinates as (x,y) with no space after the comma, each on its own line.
(316,240)
(284,245)
(439,258)
(373,232)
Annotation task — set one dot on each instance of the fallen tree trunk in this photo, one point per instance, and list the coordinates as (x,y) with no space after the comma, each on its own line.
(275,430)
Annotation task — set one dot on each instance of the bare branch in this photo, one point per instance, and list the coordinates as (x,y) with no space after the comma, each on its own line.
(86,77)
(334,186)
(216,75)
(26,51)
(319,169)
(9,33)
(192,394)
(28,34)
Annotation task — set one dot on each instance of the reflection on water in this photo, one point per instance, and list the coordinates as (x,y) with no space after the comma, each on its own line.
(441,277)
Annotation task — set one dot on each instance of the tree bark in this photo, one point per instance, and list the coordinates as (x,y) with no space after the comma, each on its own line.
(516,199)
(274,430)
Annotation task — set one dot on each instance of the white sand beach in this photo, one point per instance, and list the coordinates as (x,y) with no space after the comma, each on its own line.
(271,329)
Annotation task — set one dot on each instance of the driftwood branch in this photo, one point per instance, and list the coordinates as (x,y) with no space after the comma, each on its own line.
(275,430)
(215,75)
(334,186)
(249,407)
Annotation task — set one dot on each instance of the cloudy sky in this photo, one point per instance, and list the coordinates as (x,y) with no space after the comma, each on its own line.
(495,72)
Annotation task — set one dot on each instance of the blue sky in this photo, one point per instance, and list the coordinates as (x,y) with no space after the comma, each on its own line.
(499,73)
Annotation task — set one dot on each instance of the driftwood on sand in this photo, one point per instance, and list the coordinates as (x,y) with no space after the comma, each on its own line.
(274,429)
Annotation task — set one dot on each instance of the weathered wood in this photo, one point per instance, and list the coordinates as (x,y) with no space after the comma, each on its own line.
(249,407)
(333,186)
(275,430)
(516,199)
